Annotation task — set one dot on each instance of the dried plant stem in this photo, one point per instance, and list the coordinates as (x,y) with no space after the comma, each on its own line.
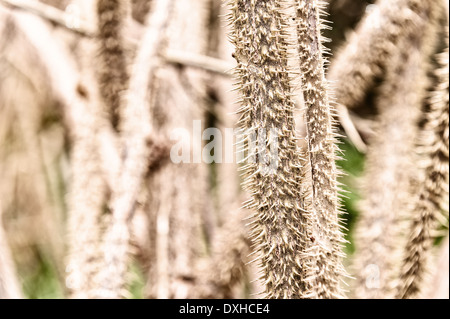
(86,204)
(327,248)
(112,73)
(226,269)
(26,163)
(58,62)
(213,65)
(390,179)
(279,229)
(52,14)
(231,255)
(9,283)
(433,193)
(83,28)
(136,130)
(390,174)
(367,51)
(174,208)
(179,199)
(86,199)
(210,64)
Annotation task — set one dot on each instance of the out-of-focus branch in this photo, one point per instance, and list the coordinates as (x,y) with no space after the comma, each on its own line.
(210,64)
(393,172)
(432,194)
(54,15)
(68,88)
(87,188)
(70,20)
(217,66)
(350,128)
(230,253)
(137,131)
(9,285)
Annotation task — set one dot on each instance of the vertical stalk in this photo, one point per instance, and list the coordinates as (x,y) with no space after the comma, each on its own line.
(112,74)
(433,192)
(9,283)
(179,197)
(136,128)
(280,220)
(326,249)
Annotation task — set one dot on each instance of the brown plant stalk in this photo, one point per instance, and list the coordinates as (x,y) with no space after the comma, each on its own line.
(178,196)
(433,193)
(326,271)
(280,227)
(87,186)
(390,176)
(112,73)
(136,130)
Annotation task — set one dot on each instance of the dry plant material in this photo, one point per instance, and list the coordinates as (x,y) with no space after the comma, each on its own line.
(123,190)
(89,188)
(386,183)
(9,283)
(227,268)
(86,190)
(136,130)
(367,51)
(51,13)
(390,175)
(226,273)
(86,204)
(113,77)
(326,250)
(433,193)
(26,160)
(60,4)
(178,196)
(279,229)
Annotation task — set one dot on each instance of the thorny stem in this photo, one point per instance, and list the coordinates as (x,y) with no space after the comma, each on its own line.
(280,220)
(326,250)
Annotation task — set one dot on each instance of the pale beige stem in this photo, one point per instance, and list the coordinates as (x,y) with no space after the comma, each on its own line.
(136,129)
(86,198)
(326,250)
(9,283)
(178,191)
(389,177)
(275,181)
(433,190)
